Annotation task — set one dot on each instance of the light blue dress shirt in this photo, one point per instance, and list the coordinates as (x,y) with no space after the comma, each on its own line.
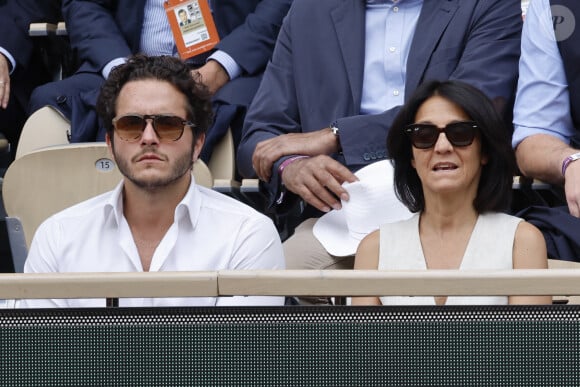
(390,28)
(157,39)
(156,36)
(542,103)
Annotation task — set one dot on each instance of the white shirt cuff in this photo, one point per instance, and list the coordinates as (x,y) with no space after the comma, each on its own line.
(109,66)
(10,59)
(228,63)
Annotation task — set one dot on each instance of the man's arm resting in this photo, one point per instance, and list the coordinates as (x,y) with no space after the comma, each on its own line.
(541,156)
(269,152)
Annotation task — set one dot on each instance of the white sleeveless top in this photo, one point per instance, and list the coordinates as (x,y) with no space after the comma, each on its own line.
(490,247)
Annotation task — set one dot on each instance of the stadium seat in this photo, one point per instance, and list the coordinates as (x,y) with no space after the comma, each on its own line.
(45,127)
(223,167)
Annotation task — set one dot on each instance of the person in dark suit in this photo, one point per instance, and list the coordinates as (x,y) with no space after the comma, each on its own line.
(22,66)
(339,74)
(103,37)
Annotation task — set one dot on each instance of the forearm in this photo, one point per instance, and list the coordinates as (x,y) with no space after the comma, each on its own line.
(540,156)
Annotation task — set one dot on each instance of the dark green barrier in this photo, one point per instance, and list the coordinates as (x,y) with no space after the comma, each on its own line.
(301,346)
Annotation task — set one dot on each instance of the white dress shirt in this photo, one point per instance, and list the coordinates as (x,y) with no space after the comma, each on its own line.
(210,232)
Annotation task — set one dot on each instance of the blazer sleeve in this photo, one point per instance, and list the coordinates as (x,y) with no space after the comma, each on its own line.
(15,19)
(274,110)
(94,32)
(251,43)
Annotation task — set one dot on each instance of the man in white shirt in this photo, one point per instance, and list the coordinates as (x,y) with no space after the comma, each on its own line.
(157,219)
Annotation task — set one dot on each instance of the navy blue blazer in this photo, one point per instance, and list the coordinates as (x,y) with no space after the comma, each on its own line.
(316,73)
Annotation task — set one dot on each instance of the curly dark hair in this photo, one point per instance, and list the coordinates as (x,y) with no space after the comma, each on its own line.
(164,68)
(494,191)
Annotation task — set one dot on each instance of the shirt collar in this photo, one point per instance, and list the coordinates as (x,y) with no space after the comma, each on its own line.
(188,208)
(114,206)
(190,205)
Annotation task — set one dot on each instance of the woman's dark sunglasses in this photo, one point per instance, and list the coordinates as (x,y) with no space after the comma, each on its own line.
(424,136)
(167,128)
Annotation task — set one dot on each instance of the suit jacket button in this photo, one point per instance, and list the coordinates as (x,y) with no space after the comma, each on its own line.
(366,157)
(61,99)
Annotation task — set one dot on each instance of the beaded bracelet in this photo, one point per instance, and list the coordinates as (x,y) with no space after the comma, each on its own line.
(287,162)
(568,160)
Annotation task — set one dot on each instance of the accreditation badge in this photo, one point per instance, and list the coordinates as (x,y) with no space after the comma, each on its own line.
(192,25)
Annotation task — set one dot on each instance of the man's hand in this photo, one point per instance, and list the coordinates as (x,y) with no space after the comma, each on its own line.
(572,188)
(4,82)
(318,180)
(213,75)
(320,142)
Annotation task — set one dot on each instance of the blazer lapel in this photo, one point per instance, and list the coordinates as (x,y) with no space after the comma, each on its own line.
(434,18)
(349,23)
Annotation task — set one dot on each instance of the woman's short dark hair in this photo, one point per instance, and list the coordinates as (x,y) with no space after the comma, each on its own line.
(163,68)
(494,192)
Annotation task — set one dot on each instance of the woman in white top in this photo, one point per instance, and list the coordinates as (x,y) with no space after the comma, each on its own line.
(453,167)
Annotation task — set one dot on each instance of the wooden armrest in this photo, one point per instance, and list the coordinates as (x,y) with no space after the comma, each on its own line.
(250,185)
(61,29)
(535,183)
(42,29)
(226,183)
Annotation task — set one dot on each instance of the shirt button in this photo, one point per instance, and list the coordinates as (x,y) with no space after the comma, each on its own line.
(396,93)
(392,49)
(395,9)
